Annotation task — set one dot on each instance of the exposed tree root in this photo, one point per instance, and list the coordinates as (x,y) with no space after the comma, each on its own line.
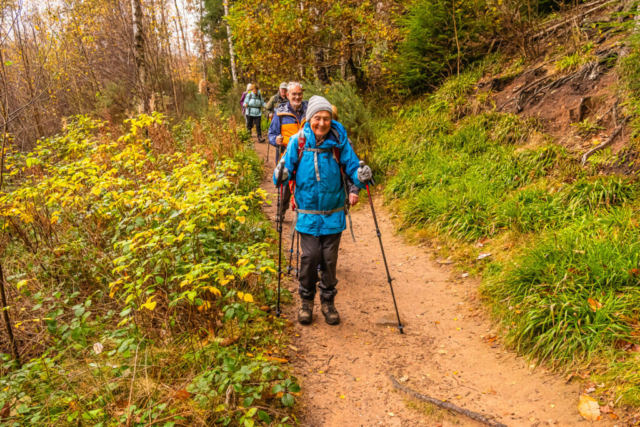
(445,405)
(541,87)
(581,108)
(605,144)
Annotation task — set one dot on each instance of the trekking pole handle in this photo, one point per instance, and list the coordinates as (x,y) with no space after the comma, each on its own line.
(371,181)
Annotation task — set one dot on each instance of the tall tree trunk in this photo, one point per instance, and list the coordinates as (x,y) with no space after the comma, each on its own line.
(357,73)
(184,39)
(321,68)
(171,59)
(455,31)
(5,107)
(139,49)
(29,78)
(230,40)
(7,321)
(203,48)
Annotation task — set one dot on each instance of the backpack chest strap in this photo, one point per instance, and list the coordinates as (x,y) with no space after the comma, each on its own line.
(315,152)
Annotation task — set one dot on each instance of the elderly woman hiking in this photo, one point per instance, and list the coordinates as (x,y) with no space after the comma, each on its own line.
(318,160)
(253,103)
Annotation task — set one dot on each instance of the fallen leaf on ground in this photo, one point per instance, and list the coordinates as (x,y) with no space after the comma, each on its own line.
(182,394)
(483,256)
(404,378)
(589,408)
(277,359)
(226,342)
(593,304)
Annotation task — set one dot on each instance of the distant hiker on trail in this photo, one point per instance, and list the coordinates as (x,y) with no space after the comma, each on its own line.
(254,102)
(244,95)
(317,160)
(277,100)
(288,120)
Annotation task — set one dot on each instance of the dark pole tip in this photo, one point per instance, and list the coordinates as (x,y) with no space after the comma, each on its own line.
(401,329)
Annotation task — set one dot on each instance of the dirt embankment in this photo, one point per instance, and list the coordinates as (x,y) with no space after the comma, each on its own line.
(579,105)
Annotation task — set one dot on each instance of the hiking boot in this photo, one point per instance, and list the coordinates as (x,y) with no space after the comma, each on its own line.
(331,315)
(305,313)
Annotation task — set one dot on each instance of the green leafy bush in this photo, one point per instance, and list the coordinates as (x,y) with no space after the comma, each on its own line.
(156,273)
(353,113)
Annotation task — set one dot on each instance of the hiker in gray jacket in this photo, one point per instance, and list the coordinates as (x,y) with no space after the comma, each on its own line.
(253,103)
(277,100)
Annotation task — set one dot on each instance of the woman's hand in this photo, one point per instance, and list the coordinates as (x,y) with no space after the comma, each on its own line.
(353,199)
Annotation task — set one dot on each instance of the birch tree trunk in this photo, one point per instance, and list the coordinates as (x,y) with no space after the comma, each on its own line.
(234,75)
(139,49)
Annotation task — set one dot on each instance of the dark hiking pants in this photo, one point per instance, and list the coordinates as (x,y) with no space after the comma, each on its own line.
(257,121)
(323,251)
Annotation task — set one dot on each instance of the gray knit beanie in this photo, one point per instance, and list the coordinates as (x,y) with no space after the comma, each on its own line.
(317,104)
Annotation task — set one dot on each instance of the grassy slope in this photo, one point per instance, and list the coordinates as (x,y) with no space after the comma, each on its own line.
(562,280)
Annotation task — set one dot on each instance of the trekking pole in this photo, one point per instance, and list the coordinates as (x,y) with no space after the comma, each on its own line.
(290,266)
(279,228)
(268,146)
(384,258)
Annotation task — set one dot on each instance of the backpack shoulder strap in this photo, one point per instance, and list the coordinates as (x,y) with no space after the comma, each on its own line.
(302,141)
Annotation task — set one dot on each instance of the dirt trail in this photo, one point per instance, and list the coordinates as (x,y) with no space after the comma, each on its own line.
(444,353)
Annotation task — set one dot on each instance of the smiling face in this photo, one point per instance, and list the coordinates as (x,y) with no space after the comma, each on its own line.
(254,89)
(295,96)
(320,124)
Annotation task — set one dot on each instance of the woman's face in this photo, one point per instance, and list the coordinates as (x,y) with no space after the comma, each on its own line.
(254,90)
(320,124)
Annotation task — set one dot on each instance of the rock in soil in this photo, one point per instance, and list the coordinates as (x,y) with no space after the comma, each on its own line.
(390,319)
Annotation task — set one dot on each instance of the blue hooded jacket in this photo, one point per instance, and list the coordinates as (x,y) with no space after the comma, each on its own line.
(327,193)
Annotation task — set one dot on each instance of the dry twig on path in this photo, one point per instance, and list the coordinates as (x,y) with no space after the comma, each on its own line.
(445,405)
